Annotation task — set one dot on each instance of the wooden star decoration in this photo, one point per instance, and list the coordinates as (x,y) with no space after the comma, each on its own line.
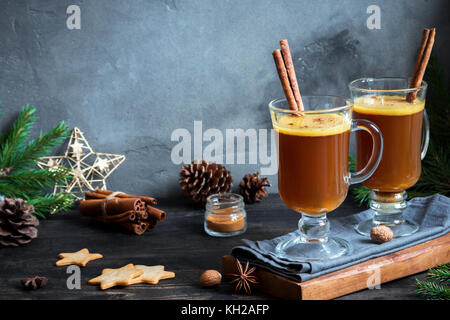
(80,258)
(89,169)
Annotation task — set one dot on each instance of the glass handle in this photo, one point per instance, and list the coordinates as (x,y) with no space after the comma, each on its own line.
(377,150)
(425,135)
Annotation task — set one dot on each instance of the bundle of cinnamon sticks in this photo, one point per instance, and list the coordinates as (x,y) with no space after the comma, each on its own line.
(422,61)
(134,213)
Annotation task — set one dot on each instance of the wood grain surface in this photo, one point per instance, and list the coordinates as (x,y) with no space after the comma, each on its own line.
(179,243)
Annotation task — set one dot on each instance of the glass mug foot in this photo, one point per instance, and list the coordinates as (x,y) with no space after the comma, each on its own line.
(311,242)
(403,229)
(388,210)
(297,249)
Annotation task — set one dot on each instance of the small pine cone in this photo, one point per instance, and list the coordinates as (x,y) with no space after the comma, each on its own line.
(252,188)
(199,180)
(18,225)
(33,283)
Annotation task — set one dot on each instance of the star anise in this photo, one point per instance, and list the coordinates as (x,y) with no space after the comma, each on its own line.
(34,283)
(243,279)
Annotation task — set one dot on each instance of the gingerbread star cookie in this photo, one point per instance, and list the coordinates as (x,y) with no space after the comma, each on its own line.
(80,258)
(152,274)
(116,277)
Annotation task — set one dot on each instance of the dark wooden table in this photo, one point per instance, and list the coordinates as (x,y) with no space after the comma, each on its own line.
(179,243)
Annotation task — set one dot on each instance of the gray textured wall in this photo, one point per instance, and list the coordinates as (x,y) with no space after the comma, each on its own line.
(137,70)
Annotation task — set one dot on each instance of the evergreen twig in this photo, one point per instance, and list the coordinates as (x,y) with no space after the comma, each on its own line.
(435,290)
(441,273)
(51,203)
(432,291)
(17,176)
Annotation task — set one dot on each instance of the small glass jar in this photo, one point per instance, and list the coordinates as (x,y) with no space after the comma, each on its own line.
(225,215)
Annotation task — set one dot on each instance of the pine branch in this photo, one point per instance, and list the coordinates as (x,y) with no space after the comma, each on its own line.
(36,179)
(361,194)
(432,291)
(41,146)
(14,139)
(17,179)
(51,203)
(440,273)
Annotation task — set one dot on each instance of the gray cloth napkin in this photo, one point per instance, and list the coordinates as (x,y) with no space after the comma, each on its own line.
(431,213)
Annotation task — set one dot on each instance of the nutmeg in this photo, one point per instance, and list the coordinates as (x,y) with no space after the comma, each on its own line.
(210,278)
(381,234)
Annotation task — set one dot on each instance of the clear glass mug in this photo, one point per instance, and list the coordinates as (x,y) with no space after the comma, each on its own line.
(313,173)
(384,101)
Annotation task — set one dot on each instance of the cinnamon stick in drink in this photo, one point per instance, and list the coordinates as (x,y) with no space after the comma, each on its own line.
(284,78)
(289,64)
(422,62)
(423,44)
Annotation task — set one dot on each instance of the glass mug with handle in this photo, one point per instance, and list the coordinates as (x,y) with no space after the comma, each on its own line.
(313,172)
(404,124)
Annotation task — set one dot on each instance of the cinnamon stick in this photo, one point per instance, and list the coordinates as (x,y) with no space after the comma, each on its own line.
(284,78)
(421,62)
(147,200)
(109,207)
(125,216)
(289,64)
(156,214)
(133,227)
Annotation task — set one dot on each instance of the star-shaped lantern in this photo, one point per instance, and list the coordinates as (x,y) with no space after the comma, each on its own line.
(89,169)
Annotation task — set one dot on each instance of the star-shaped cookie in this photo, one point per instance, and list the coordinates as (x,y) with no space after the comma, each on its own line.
(152,274)
(116,277)
(80,258)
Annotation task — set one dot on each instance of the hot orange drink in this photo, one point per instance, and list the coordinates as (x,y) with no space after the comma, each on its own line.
(312,160)
(400,123)
(313,171)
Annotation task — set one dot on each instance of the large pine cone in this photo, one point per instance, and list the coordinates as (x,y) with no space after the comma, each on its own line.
(18,225)
(252,188)
(199,180)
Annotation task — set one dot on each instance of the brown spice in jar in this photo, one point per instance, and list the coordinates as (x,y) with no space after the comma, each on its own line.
(225,220)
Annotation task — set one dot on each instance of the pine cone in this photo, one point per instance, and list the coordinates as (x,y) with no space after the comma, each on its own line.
(18,225)
(199,180)
(252,188)
(33,283)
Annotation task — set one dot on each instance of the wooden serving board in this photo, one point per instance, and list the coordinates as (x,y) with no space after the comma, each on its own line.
(395,265)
